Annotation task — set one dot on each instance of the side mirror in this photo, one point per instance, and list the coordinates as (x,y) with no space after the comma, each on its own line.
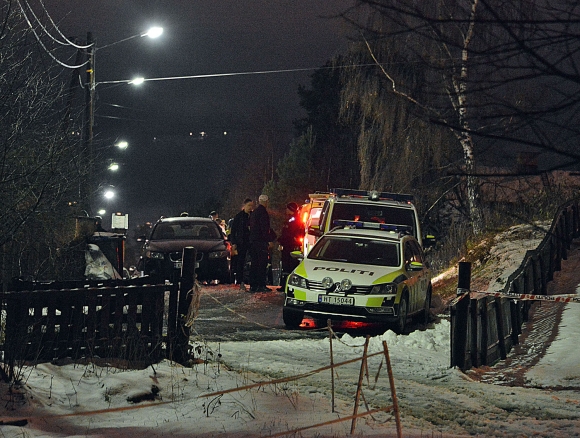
(297,255)
(429,240)
(415,266)
(315,230)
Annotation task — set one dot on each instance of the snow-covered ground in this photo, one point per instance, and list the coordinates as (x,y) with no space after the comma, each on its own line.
(435,400)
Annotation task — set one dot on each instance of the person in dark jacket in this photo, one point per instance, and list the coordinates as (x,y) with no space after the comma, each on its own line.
(290,240)
(261,238)
(239,237)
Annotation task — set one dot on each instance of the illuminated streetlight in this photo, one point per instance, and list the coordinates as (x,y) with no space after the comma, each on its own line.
(137,81)
(122,144)
(109,194)
(102,212)
(113,167)
(89,121)
(153,32)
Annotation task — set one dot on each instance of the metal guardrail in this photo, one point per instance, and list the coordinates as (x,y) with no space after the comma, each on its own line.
(484,328)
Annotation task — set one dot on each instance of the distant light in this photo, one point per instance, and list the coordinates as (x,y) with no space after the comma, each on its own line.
(191,133)
(202,133)
(154,32)
(102,211)
(225,133)
(122,144)
(109,194)
(137,81)
(113,167)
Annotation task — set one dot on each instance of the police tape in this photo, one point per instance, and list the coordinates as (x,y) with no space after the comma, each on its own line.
(568,298)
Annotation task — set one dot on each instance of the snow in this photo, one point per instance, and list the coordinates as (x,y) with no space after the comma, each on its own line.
(435,400)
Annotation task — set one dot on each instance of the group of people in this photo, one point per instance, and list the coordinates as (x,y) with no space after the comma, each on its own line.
(251,235)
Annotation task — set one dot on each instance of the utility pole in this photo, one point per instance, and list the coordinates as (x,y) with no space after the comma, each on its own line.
(87,156)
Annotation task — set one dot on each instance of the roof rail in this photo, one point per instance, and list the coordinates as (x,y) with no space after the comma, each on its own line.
(343,223)
(373,195)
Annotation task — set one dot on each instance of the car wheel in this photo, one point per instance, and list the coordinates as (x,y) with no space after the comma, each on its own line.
(292,319)
(403,314)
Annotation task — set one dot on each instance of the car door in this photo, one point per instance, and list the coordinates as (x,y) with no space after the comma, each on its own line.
(415,278)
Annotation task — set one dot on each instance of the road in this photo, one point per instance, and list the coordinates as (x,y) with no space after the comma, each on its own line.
(228,314)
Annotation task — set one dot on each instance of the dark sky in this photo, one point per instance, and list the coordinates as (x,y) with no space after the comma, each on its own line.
(200,37)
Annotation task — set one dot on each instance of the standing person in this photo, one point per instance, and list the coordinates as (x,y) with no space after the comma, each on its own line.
(261,238)
(240,239)
(290,240)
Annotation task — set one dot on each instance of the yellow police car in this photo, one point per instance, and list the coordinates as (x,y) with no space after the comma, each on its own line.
(361,271)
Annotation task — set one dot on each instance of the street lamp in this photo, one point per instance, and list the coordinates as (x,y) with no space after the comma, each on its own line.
(89,122)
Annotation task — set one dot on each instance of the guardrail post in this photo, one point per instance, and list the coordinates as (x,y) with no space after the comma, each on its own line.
(464,278)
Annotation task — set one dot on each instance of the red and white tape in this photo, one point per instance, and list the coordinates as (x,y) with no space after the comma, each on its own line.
(569,298)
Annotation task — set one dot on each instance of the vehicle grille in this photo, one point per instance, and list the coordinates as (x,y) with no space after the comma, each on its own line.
(176,256)
(362,290)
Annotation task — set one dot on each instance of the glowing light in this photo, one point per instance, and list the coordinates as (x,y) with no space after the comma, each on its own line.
(113,167)
(109,194)
(137,81)
(122,144)
(154,32)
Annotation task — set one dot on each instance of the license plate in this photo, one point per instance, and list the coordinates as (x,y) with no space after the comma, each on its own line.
(177,265)
(341,301)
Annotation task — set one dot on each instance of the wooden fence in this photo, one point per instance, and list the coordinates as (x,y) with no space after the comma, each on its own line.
(139,321)
(484,328)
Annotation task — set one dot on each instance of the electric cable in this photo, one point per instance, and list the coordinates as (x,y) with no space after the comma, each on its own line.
(66,42)
(72,67)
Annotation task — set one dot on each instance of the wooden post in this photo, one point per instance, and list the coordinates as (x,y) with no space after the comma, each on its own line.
(359,385)
(393,391)
(186,285)
(329,323)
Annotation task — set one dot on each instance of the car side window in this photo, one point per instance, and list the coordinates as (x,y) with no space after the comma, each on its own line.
(408,253)
(324,216)
(417,252)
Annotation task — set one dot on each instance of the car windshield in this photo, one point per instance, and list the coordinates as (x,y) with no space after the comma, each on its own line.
(382,214)
(185,230)
(356,250)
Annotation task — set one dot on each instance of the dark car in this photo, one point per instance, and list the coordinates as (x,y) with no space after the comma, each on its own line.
(162,252)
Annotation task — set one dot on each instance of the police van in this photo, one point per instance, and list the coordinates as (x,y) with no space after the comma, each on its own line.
(361,271)
(368,206)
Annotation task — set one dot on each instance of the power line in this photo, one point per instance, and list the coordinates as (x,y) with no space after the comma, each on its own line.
(72,67)
(247,73)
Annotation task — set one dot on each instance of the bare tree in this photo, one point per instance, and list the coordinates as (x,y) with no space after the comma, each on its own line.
(502,76)
(39,168)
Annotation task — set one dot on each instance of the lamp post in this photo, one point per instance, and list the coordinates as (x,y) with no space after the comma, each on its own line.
(89,115)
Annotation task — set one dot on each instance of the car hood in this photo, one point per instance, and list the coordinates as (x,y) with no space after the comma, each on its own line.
(167,246)
(316,270)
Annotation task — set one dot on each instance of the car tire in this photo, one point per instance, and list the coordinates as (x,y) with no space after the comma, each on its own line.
(401,323)
(292,319)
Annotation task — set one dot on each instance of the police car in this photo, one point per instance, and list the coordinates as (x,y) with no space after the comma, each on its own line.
(361,271)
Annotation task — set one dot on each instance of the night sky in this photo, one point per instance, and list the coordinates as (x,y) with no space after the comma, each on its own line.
(200,37)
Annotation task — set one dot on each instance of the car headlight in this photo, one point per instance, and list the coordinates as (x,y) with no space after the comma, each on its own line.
(155,255)
(384,289)
(297,280)
(218,254)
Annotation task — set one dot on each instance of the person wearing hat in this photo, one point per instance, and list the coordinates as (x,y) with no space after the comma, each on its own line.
(290,239)
(261,237)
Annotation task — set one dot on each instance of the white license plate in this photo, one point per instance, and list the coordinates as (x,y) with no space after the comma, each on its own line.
(341,301)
